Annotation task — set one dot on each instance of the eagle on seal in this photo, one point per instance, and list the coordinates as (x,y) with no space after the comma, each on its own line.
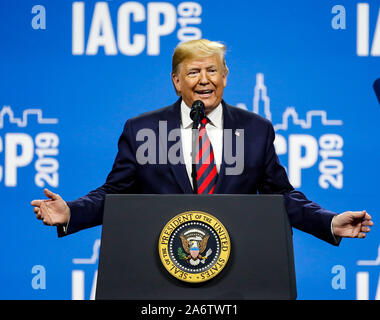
(195,248)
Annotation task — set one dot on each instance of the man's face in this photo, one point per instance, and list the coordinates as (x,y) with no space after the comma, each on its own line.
(201,79)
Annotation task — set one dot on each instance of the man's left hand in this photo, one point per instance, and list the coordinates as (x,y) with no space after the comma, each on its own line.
(352,224)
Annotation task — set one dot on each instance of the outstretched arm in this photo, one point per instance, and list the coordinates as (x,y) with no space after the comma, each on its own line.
(87,211)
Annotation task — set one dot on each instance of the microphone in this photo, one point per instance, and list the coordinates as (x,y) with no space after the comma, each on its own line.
(197,112)
(376,87)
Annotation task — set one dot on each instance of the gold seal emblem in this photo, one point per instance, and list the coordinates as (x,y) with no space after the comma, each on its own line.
(194,246)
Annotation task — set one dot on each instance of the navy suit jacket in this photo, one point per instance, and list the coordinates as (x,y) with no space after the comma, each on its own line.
(262,172)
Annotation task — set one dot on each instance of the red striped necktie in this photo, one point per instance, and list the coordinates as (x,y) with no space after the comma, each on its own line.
(205,162)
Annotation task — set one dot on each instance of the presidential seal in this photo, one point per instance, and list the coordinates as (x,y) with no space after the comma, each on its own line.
(194,246)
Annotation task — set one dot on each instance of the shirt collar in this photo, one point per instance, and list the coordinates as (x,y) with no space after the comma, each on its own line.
(215,116)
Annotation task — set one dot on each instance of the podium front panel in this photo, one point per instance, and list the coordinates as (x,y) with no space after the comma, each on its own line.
(260,265)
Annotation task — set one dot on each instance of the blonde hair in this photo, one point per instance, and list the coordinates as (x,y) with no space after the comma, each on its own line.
(198,49)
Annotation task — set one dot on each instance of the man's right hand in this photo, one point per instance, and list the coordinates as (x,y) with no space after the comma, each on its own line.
(52,212)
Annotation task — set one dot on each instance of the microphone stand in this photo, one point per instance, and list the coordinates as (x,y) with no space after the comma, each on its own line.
(197,114)
(193,156)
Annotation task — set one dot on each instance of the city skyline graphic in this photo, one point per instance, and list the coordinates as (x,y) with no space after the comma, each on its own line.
(290,115)
(23,121)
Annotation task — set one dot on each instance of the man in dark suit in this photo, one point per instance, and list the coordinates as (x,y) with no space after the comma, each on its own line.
(151,161)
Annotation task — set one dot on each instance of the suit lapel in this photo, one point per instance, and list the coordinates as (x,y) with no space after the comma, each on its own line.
(179,170)
(228,123)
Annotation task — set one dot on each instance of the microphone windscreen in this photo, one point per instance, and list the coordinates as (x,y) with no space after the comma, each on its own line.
(197,110)
(198,104)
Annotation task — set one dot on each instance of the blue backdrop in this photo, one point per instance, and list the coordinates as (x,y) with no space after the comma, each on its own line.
(72,73)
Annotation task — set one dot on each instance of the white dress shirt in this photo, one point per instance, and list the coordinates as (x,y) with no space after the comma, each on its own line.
(214,131)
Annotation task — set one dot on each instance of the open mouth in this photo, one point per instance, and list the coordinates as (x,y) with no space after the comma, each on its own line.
(204,93)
